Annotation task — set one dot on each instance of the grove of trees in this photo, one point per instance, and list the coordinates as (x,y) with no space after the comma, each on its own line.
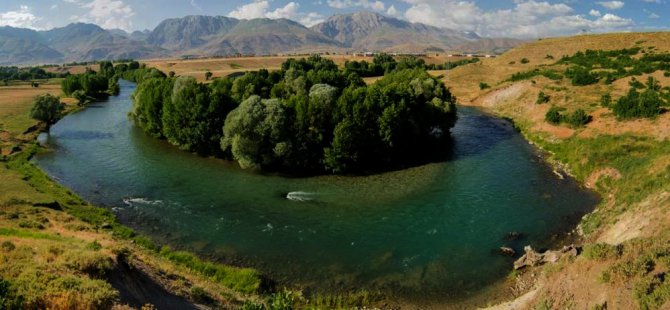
(310,116)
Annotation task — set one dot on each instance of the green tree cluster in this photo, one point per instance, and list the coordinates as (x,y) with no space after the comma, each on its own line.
(310,116)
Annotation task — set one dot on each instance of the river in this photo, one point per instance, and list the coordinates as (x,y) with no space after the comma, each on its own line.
(418,233)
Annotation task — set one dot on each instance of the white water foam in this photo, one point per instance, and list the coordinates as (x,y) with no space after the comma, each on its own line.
(140,201)
(300,196)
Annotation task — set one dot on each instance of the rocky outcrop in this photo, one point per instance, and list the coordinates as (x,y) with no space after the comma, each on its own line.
(532,258)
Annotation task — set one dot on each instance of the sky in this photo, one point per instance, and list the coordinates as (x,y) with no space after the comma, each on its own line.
(502,18)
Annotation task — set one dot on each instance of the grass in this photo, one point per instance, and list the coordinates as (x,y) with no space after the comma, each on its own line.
(239,279)
(59,258)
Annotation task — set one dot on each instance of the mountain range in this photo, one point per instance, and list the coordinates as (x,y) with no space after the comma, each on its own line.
(222,36)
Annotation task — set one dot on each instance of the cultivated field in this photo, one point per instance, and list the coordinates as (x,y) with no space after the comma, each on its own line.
(226,66)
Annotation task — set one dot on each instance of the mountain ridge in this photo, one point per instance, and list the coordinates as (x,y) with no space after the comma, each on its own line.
(203,35)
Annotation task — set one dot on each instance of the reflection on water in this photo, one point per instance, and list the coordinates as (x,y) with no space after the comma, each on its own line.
(422,232)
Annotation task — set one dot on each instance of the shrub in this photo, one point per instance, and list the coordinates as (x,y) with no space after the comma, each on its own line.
(94,264)
(634,83)
(579,118)
(95,246)
(7,246)
(635,105)
(483,86)
(524,60)
(282,300)
(652,293)
(581,76)
(601,251)
(606,100)
(554,115)
(542,98)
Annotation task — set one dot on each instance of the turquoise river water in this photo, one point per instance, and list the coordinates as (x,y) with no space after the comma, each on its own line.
(431,230)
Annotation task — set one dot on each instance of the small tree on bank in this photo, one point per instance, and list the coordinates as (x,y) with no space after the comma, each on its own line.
(47,109)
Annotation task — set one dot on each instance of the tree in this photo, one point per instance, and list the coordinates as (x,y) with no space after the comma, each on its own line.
(148,100)
(47,108)
(190,119)
(254,133)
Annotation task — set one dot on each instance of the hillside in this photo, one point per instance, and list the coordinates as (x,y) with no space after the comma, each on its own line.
(371,31)
(624,251)
(23,45)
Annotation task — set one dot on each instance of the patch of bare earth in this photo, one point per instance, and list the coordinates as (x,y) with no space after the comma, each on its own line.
(642,220)
(604,122)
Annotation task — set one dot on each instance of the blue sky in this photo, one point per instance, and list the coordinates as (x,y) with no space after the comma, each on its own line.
(503,18)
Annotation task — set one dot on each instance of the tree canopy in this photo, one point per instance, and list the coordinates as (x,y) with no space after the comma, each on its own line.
(47,108)
(310,116)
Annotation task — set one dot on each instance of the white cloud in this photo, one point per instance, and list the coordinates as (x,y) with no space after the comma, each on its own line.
(366,4)
(654,16)
(21,18)
(109,14)
(259,9)
(527,19)
(612,5)
(256,9)
(595,13)
(392,11)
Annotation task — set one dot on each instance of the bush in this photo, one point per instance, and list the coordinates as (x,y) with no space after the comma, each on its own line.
(579,118)
(606,100)
(635,105)
(554,115)
(524,60)
(542,98)
(483,86)
(95,246)
(581,76)
(7,246)
(601,251)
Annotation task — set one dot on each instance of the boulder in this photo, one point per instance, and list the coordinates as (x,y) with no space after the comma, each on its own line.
(532,258)
(507,251)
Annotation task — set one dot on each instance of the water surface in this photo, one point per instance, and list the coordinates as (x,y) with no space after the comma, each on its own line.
(423,232)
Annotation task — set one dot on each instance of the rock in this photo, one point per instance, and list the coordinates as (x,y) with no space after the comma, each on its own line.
(106,226)
(570,250)
(514,235)
(507,251)
(551,256)
(531,258)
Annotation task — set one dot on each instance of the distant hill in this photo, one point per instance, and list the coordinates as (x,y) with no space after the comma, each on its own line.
(18,46)
(221,36)
(376,32)
(268,36)
(190,32)
(488,45)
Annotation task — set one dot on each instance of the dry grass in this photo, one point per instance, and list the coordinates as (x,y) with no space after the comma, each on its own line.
(635,198)
(15,104)
(226,66)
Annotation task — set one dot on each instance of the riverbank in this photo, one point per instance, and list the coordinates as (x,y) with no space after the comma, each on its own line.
(624,240)
(61,252)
